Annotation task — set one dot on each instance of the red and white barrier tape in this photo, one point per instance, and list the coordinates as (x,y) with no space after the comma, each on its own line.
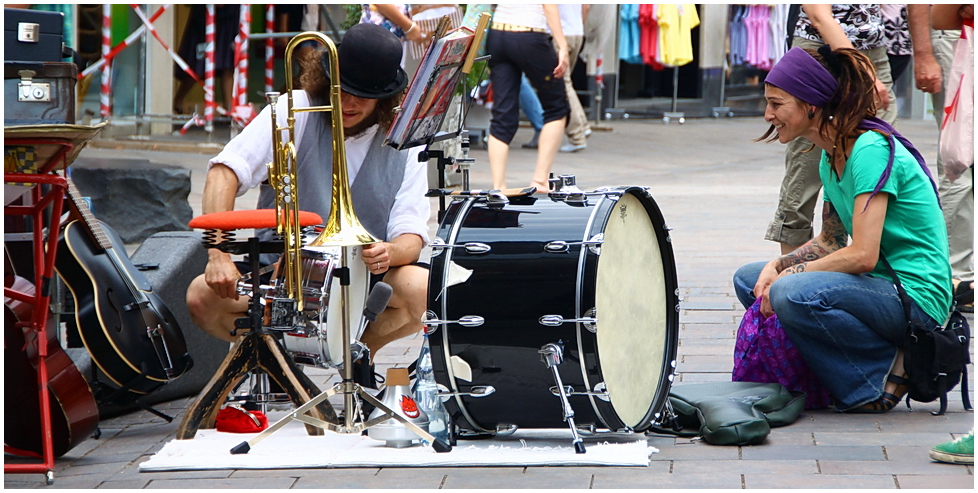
(269,48)
(240,97)
(176,58)
(121,46)
(209,67)
(105,96)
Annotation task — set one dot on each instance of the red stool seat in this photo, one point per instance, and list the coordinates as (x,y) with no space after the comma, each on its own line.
(250,219)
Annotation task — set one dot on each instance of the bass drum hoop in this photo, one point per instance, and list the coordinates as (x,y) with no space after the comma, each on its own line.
(665,322)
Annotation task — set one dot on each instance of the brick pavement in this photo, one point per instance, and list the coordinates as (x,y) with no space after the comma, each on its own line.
(717,190)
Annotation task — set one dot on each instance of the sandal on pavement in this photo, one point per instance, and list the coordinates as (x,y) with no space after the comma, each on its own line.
(887,401)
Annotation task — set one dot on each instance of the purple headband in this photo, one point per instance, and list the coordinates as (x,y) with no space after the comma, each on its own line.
(800,75)
(803,77)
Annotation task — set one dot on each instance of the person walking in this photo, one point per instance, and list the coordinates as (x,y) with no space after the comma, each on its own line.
(519,44)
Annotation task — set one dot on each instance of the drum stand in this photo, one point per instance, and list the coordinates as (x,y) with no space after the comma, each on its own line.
(256,349)
(353,418)
(552,355)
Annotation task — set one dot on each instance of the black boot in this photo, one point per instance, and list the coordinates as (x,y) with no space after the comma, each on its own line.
(363,374)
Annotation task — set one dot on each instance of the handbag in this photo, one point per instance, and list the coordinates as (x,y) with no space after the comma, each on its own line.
(764,353)
(935,358)
(957,143)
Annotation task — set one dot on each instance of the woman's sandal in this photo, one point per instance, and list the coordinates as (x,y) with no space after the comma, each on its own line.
(964,296)
(887,401)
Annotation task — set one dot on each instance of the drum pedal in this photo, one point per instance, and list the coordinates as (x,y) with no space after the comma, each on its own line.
(552,355)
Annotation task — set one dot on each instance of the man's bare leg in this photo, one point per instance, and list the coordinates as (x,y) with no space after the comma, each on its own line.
(404,311)
(213,314)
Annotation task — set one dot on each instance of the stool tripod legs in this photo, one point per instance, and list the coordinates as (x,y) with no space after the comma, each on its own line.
(252,351)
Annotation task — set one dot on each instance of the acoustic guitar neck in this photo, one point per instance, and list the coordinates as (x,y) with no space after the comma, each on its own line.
(80,207)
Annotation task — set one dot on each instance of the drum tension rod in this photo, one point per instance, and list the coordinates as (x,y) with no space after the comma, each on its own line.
(552,355)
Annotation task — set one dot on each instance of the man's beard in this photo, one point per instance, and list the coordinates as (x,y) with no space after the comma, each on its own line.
(361,127)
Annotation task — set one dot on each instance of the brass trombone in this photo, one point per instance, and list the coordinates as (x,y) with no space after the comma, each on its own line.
(342,228)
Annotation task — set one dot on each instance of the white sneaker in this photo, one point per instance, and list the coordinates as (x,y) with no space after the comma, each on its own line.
(572,147)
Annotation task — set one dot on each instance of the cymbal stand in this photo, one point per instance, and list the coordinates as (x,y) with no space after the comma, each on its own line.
(353,421)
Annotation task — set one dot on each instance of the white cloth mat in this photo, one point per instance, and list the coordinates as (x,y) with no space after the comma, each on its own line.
(290,447)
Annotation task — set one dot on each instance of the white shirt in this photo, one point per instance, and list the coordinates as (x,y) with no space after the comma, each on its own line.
(249,152)
(521,14)
(571,19)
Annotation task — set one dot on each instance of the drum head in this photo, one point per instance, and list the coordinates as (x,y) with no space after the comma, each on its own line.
(630,301)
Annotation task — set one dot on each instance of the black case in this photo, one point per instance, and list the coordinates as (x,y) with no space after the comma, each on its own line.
(21,107)
(49,43)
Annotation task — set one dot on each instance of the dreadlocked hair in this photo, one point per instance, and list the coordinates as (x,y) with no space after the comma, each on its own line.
(854,99)
(316,84)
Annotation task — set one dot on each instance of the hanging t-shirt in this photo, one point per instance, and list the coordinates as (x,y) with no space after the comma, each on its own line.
(629,37)
(650,35)
(676,23)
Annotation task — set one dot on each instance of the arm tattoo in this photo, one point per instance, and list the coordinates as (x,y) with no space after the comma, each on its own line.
(833,237)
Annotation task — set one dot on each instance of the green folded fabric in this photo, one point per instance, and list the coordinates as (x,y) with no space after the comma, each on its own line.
(733,413)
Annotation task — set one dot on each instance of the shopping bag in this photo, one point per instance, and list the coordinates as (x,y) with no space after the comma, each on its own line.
(957,146)
(763,353)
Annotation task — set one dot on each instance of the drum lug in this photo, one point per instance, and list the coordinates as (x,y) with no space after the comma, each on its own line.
(556,320)
(471,248)
(476,392)
(599,392)
(593,244)
(467,321)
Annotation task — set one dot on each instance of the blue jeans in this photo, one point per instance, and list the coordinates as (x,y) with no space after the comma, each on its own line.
(847,327)
(530,104)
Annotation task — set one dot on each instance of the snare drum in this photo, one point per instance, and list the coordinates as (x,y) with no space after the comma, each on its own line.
(600,277)
(319,342)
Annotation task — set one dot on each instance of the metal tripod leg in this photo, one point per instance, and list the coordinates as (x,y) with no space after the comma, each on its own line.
(353,390)
(552,354)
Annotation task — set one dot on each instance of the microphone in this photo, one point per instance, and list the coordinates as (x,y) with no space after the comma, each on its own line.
(377,300)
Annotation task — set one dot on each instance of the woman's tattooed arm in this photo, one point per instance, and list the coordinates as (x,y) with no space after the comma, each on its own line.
(833,237)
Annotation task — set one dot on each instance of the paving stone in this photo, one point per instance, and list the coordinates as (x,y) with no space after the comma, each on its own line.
(885,439)
(709,317)
(714,350)
(929,482)
(708,305)
(848,467)
(131,484)
(646,480)
(501,478)
(698,450)
(797,452)
(223,483)
(693,377)
(786,435)
(734,467)
(793,481)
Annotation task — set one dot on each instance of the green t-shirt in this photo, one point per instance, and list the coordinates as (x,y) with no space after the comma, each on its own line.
(914,238)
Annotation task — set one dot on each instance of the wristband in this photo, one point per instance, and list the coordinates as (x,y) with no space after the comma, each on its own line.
(413,25)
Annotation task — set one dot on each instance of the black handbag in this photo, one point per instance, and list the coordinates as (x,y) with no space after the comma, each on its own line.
(935,359)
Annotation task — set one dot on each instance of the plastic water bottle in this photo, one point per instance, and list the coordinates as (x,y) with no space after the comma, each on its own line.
(426,394)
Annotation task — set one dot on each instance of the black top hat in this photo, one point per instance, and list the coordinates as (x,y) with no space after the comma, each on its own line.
(370,62)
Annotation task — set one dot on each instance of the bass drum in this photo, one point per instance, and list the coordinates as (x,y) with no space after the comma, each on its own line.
(598,277)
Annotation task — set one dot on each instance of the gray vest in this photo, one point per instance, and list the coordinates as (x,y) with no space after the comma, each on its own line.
(373,190)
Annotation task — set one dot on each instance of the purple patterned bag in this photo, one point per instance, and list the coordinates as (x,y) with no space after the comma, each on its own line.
(764,354)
